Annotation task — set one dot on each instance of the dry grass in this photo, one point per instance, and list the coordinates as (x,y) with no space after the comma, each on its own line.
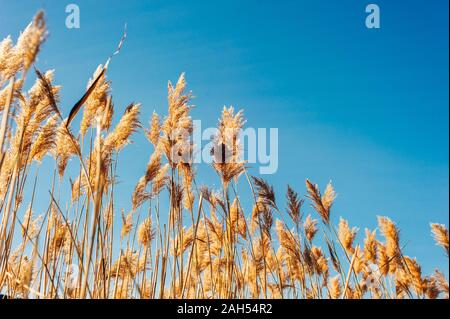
(207,247)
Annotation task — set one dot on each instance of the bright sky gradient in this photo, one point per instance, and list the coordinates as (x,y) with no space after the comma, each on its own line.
(367,109)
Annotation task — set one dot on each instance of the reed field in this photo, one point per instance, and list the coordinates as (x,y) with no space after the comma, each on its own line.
(202,243)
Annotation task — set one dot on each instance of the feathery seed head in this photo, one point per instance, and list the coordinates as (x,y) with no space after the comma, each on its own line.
(440,234)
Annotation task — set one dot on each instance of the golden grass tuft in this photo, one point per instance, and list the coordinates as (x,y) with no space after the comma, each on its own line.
(178,239)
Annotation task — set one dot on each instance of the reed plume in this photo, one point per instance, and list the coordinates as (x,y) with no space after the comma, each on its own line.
(347,235)
(226,150)
(391,234)
(96,102)
(322,204)
(440,234)
(31,39)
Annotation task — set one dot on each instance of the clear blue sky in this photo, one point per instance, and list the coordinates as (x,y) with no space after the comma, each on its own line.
(367,109)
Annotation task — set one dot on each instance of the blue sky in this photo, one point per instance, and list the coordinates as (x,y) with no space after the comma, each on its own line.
(367,109)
